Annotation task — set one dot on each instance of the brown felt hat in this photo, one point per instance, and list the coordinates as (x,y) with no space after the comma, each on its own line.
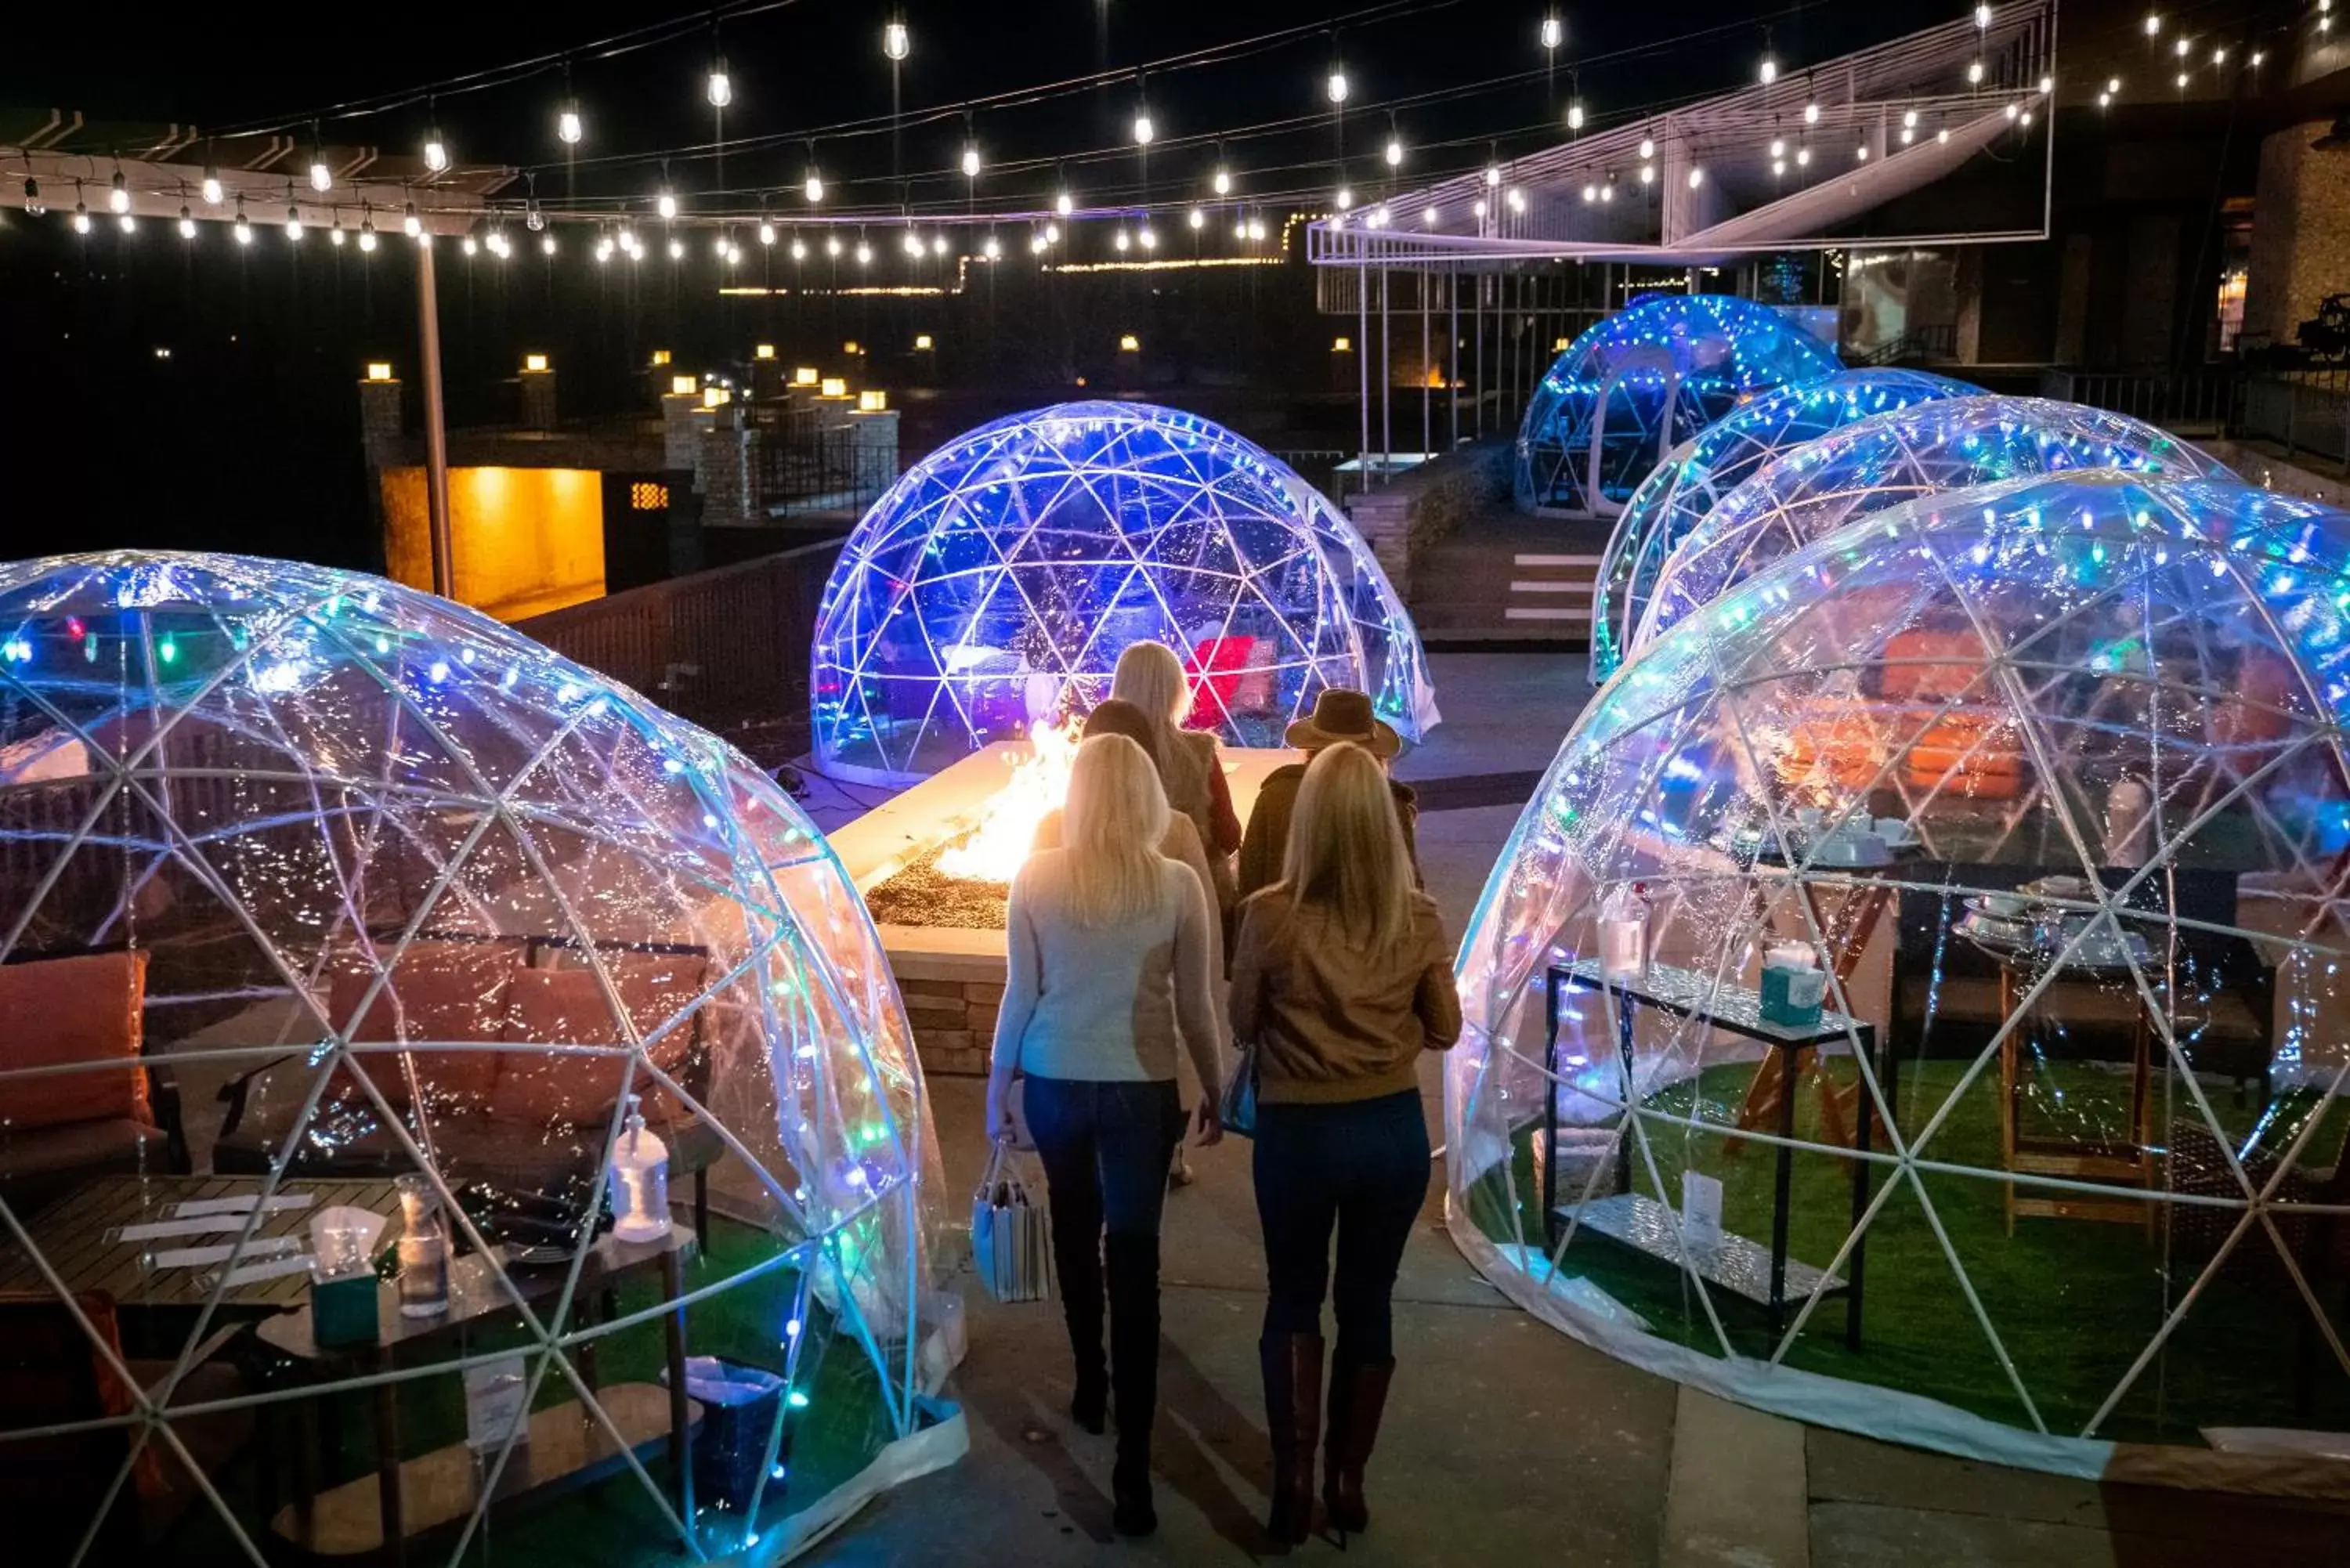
(1116,716)
(1343,715)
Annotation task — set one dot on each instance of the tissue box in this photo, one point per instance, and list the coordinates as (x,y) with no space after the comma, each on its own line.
(1779,1008)
(343,1310)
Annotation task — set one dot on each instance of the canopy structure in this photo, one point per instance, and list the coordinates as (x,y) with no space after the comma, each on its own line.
(1710,464)
(998,581)
(2043,789)
(415,910)
(1641,381)
(1948,445)
(1697,184)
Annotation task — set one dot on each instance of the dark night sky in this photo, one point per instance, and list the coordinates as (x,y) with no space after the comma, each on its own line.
(245,436)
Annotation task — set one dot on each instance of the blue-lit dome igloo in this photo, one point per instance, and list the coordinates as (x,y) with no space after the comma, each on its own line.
(1915,1000)
(1717,460)
(1882,461)
(998,581)
(318,892)
(1638,384)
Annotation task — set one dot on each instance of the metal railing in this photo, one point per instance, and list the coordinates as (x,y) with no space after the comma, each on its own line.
(2204,399)
(2303,410)
(800,465)
(727,649)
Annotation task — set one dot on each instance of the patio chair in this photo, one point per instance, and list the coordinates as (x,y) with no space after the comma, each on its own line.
(58,1130)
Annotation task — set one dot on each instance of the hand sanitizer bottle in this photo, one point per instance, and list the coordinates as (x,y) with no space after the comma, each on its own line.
(1624,934)
(640,1181)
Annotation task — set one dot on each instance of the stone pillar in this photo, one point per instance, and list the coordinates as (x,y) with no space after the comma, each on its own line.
(876,443)
(681,426)
(723,475)
(2301,231)
(537,395)
(379,420)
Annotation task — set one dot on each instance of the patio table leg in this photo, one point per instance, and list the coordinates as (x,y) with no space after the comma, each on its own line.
(387,1461)
(1781,1196)
(673,1328)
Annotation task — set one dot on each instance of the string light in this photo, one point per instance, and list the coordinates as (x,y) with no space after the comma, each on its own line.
(293,222)
(1974,72)
(677,250)
(1493,175)
(832,246)
(187,225)
(1553,32)
(1769,71)
(2153,23)
(1982,16)
(1648,173)
(1196,218)
(335,231)
(799,248)
(719,89)
(546,243)
(2182,79)
(1222,182)
(1143,129)
(1394,153)
(766,232)
(1575,116)
(118,195)
(864,253)
(129,223)
(665,204)
(409,224)
(240,228)
(436,151)
(1146,237)
(1812,112)
(2181,47)
(1346,198)
(971,161)
(1647,147)
(895,41)
(1695,177)
(2105,99)
(1065,204)
(1335,86)
(994,249)
(2113,85)
(367,235)
(567,126)
(813,187)
(211,187)
(322,179)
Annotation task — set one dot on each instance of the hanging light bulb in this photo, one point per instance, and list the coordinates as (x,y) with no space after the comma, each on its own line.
(1393,153)
(603,252)
(665,204)
(1052,234)
(1147,238)
(211,187)
(1517,200)
(1974,72)
(1143,129)
(1769,70)
(1345,198)
(1648,173)
(766,232)
(2182,79)
(1590,192)
(1553,32)
(832,246)
(293,222)
(118,195)
(677,250)
(895,42)
(367,235)
(2153,23)
(568,126)
(994,249)
(971,161)
(1335,85)
(1036,244)
(1943,134)
(912,244)
(1575,115)
(799,248)
(1860,154)
(1778,147)
(1608,191)
(814,187)
(532,218)
(1064,204)
(1120,239)
(1240,229)
(436,151)
(719,89)
(1982,16)
(240,228)
(2104,100)
(1647,147)
(335,231)
(32,202)
(1493,175)
(864,252)
(547,244)
(2113,84)
(187,225)
(1778,166)
(410,224)
(1695,177)
(322,179)
(1222,182)
(1197,219)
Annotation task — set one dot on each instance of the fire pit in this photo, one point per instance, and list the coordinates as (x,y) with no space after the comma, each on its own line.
(934,864)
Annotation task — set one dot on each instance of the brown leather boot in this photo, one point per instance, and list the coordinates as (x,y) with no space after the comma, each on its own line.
(1292,1364)
(1358,1395)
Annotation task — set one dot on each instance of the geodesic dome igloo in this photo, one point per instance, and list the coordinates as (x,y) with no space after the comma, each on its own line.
(2047,781)
(1882,461)
(998,581)
(319,891)
(1708,466)
(1639,382)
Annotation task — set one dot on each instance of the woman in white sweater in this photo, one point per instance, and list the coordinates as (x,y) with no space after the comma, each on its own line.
(1111,950)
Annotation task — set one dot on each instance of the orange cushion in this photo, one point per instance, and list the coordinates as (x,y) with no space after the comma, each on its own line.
(441,990)
(567,1007)
(1902,676)
(59,1010)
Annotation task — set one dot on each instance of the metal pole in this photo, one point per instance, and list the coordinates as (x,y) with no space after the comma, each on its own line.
(1387,424)
(1452,292)
(436,430)
(1477,393)
(1427,404)
(1363,373)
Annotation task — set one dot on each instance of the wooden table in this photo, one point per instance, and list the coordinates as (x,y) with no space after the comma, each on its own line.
(2130,1162)
(566,1447)
(71,1234)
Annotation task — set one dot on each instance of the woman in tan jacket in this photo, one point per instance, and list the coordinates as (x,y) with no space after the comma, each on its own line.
(1151,676)
(1341,977)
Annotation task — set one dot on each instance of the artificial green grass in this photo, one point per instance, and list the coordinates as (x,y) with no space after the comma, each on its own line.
(2073,1301)
(613,1522)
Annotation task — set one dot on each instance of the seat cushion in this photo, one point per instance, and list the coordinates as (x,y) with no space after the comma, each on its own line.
(561,1007)
(440,991)
(55,1011)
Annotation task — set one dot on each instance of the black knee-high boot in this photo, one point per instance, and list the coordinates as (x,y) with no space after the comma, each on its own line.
(1077,1256)
(1134,1375)
(1359,1395)
(1292,1364)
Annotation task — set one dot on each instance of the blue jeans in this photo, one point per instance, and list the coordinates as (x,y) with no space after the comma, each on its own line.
(1361,1169)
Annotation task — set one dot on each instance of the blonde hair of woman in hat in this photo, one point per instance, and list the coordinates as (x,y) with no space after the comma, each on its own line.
(1151,676)
(1109,950)
(1339,715)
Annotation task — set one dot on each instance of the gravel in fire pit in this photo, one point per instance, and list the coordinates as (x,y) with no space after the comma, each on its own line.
(923,895)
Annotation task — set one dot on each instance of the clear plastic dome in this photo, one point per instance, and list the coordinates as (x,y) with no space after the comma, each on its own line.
(2039,792)
(318,888)
(1880,462)
(998,581)
(1639,382)
(1717,460)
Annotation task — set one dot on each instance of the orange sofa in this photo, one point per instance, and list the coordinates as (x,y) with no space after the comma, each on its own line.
(120,1114)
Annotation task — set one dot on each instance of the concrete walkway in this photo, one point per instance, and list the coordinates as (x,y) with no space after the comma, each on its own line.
(1504,1440)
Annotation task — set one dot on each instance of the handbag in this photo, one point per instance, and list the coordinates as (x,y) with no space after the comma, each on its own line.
(1011,1240)
(1239,1107)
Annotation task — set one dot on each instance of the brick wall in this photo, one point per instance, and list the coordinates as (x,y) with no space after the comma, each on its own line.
(1412,512)
(2301,231)
(952,999)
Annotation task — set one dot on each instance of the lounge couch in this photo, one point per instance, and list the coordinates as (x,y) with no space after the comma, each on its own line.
(57,1129)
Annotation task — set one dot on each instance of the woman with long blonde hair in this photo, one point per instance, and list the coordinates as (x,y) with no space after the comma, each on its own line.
(1341,978)
(1110,951)
(1151,676)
